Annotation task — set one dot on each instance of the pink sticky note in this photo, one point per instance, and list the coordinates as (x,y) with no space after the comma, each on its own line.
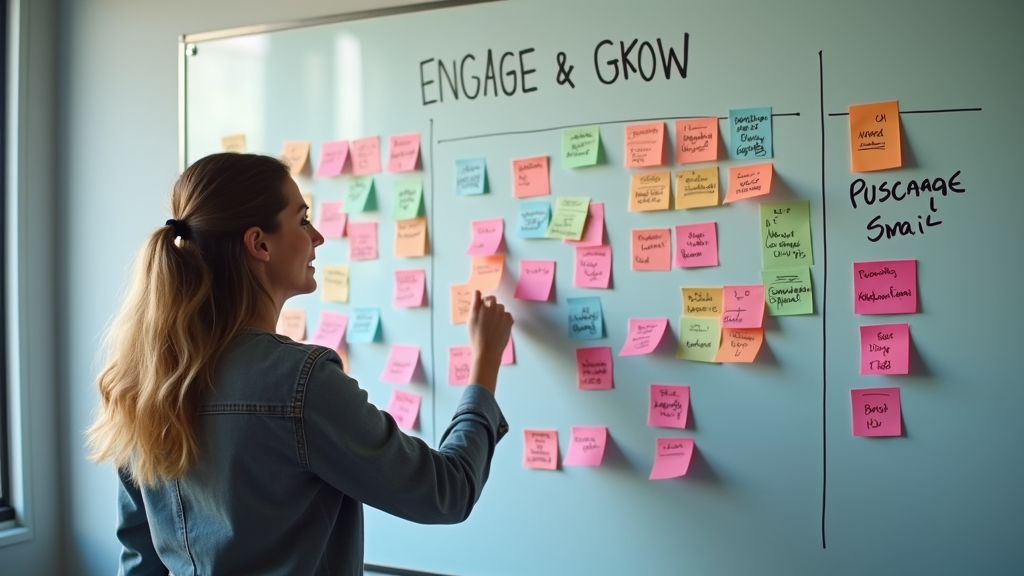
(401,364)
(876,412)
(332,158)
(644,143)
(743,306)
(696,245)
(487,237)
(404,407)
(696,140)
(330,330)
(535,280)
(885,287)
(594,368)
(330,220)
(508,356)
(586,446)
(748,181)
(404,151)
(460,359)
(644,335)
(593,228)
(362,240)
(593,267)
(540,449)
(365,156)
(530,177)
(292,323)
(885,349)
(669,405)
(671,457)
(652,249)
(409,288)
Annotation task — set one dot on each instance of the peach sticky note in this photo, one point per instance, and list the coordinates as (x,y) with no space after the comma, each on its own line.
(401,364)
(875,136)
(594,368)
(487,236)
(650,191)
(671,457)
(669,405)
(697,188)
(702,302)
(586,446)
(885,349)
(404,152)
(233,143)
(748,181)
(696,245)
(644,336)
(409,288)
(292,323)
(739,344)
(331,219)
(404,407)
(460,359)
(593,267)
(696,140)
(486,271)
(365,156)
(652,249)
(885,287)
(411,237)
(876,412)
(540,449)
(335,287)
(461,301)
(295,154)
(362,240)
(742,306)
(330,329)
(644,144)
(332,158)
(593,228)
(536,277)
(508,355)
(530,177)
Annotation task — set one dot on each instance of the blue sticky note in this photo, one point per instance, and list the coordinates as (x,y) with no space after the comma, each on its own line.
(470,176)
(363,325)
(534,216)
(585,319)
(750,133)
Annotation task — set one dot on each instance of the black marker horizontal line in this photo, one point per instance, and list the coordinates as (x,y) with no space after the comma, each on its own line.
(874,394)
(919,111)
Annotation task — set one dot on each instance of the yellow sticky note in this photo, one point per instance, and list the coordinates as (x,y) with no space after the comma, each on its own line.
(462,300)
(702,302)
(875,136)
(650,191)
(697,188)
(335,283)
(486,273)
(233,143)
(411,237)
(295,154)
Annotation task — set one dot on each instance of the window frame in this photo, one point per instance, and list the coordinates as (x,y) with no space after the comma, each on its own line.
(6,504)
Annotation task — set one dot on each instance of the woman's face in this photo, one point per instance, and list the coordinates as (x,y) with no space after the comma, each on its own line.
(289,271)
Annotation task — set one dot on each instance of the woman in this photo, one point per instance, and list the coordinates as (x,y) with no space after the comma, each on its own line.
(240,451)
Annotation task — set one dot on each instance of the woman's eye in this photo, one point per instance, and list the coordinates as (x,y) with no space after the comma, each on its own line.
(305,222)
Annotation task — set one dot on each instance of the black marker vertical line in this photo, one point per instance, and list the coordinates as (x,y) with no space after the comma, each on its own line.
(824,301)
(432,294)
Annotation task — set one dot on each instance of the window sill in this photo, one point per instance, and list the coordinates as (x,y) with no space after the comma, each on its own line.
(11,533)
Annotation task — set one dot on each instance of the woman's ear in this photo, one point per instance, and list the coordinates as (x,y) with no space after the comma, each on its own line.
(255,241)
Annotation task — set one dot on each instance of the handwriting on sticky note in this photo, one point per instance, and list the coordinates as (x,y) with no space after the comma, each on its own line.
(586,446)
(540,449)
(330,329)
(885,349)
(461,296)
(362,240)
(652,249)
(696,245)
(295,154)
(404,152)
(580,146)
(486,238)
(750,133)
(359,196)
(407,201)
(876,412)
(668,405)
(363,325)
(331,219)
(335,283)
(697,188)
(594,368)
(460,359)
(233,143)
(696,140)
(740,344)
(671,457)
(643,336)
(786,234)
(570,214)
(404,407)
(699,339)
(534,218)
(332,158)
(742,306)
(530,177)
(536,277)
(470,176)
(411,238)
(748,181)
(410,286)
(401,364)
(787,291)
(593,267)
(702,302)
(586,321)
(485,273)
(593,228)
(875,136)
(885,287)
(292,323)
(650,191)
(644,143)
(365,156)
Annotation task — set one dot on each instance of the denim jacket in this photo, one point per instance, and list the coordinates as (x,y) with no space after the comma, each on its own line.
(290,449)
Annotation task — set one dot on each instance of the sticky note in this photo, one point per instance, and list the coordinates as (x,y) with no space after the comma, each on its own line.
(593,267)
(696,140)
(536,277)
(411,238)
(508,355)
(530,177)
(739,344)
(485,273)
(365,154)
(359,196)
(876,412)
(461,302)
(540,449)
(460,359)
(652,249)
(292,323)
(580,146)
(875,136)
(331,220)
(404,152)
(233,143)
(671,457)
(786,234)
(332,158)
(668,405)
(586,446)
(650,191)
(748,181)
(534,218)
(750,133)
(404,407)
(335,283)
(585,319)
(594,368)
(570,214)
(401,364)
(362,240)
(787,291)
(885,349)
(643,336)
(330,329)
(697,188)
(407,199)
(593,228)
(487,236)
(885,287)
(644,144)
(699,339)
(702,302)
(363,325)
(696,245)
(410,286)
(742,306)
(470,176)
(295,154)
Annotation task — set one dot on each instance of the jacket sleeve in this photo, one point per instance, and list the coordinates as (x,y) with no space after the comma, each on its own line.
(138,555)
(359,449)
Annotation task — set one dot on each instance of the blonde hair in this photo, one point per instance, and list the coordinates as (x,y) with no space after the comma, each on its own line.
(188,298)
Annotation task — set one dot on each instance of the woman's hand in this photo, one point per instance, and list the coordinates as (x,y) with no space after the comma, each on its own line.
(489,327)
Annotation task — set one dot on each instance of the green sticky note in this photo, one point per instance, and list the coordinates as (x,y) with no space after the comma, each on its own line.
(786,234)
(359,196)
(580,146)
(699,339)
(787,291)
(568,218)
(408,199)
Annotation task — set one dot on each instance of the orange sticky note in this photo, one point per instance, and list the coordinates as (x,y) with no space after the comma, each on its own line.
(875,136)
(292,323)
(739,344)
(233,143)
(650,191)
(461,301)
(295,154)
(697,188)
(644,144)
(696,140)
(530,177)
(404,152)
(652,249)
(540,449)
(748,181)
(365,154)
(702,302)
(411,237)
(486,272)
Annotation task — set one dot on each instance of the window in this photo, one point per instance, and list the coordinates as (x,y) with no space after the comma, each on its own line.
(6,511)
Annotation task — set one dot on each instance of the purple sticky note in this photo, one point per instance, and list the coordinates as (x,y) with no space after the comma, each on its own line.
(885,287)
(876,412)
(885,349)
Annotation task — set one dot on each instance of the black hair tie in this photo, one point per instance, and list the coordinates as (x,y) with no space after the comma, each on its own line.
(181,229)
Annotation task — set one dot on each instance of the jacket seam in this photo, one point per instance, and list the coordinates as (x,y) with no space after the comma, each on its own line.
(184,526)
(298,406)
